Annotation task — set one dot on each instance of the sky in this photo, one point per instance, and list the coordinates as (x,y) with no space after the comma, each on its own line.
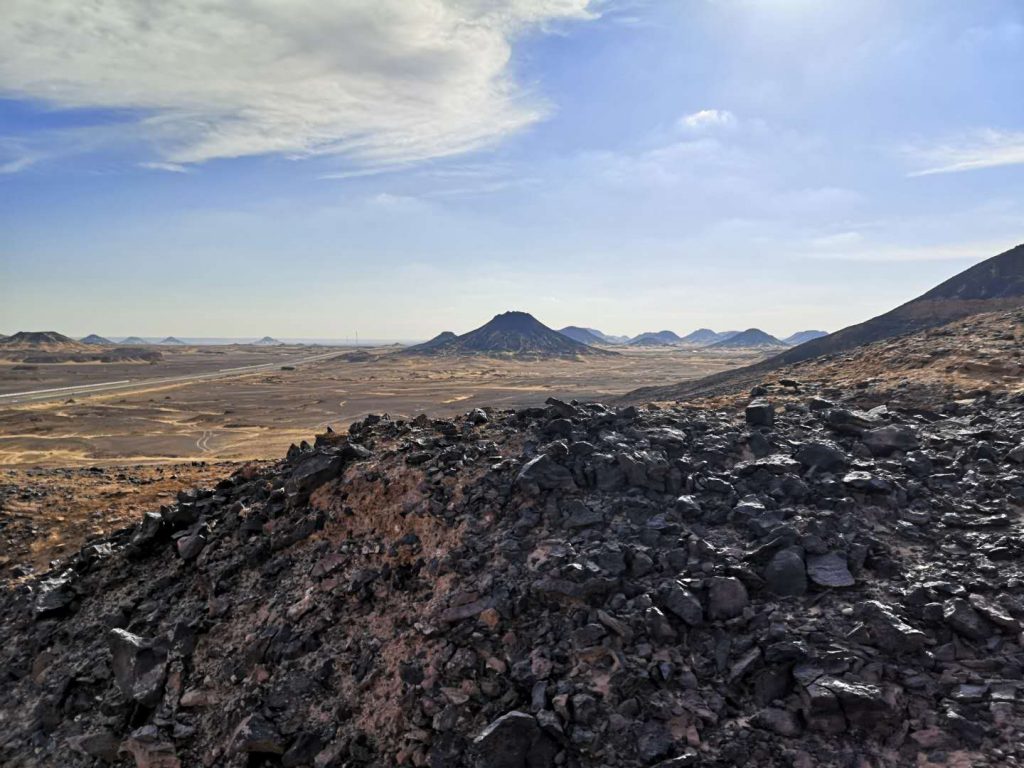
(395,168)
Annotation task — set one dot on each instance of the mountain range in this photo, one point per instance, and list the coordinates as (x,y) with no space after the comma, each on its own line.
(702,337)
(43,341)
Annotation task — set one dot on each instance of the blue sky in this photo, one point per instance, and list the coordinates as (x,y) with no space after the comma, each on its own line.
(397,168)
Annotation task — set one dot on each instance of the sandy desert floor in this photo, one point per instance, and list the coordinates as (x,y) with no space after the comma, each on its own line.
(257,414)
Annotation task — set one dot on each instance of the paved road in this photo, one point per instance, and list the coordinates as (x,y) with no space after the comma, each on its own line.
(128,385)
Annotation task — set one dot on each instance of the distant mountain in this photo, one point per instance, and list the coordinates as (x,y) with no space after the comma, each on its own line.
(92,338)
(608,338)
(752,338)
(267,341)
(655,339)
(801,337)
(442,339)
(582,335)
(514,334)
(133,341)
(704,337)
(172,340)
(53,347)
(42,340)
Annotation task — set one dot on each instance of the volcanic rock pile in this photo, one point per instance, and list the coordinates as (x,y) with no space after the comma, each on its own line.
(567,585)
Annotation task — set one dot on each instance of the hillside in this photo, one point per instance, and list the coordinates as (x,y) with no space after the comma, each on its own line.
(994,284)
(655,339)
(172,340)
(515,334)
(267,341)
(134,341)
(752,338)
(582,335)
(802,337)
(93,338)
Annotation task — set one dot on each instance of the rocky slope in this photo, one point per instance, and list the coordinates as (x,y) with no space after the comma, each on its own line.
(568,585)
(513,334)
(94,338)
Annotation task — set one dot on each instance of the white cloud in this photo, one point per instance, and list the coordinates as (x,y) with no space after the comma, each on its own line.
(17,165)
(986,149)
(380,81)
(170,167)
(707,119)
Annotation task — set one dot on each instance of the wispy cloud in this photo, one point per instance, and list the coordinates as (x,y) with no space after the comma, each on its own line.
(707,118)
(170,167)
(986,149)
(17,165)
(379,81)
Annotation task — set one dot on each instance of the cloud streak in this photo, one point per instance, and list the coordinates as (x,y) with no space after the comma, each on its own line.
(987,149)
(378,81)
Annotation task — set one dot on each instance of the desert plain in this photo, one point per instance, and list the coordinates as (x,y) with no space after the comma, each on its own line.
(92,446)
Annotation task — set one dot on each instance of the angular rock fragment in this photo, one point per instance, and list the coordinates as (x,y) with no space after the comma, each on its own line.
(727,597)
(541,473)
(785,574)
(964,620)
(514,740)
(256,735)
(830,570)
(140,666)
(760,413)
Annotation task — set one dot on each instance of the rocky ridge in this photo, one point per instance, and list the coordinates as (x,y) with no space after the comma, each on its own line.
(567,585)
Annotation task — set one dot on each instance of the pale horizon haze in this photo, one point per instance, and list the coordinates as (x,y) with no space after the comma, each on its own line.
(396,168)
